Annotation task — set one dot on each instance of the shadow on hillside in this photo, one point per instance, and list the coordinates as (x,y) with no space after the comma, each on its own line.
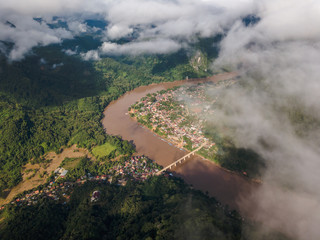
(49,77)
(4,194)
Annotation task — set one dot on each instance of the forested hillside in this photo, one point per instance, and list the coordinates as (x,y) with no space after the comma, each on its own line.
(50,99)
(160,208)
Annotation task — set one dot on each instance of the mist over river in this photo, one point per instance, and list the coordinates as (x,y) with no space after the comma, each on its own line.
(225,186)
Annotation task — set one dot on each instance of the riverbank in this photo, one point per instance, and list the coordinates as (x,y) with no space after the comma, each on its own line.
(179,117)
(171,143)
(227,187)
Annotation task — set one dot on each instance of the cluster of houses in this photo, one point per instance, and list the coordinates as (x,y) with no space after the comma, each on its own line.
(180,114)
(56,191)
(138,168)
(95,196)
(61,172)
(181,126)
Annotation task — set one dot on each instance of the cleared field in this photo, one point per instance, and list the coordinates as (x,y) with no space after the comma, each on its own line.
(35,179)
(103,150)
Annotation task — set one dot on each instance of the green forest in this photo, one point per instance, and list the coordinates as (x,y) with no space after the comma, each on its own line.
(160,208)
(50,100)
(242,160)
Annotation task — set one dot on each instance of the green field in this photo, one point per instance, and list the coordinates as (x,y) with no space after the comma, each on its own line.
(70,163)
(103,150)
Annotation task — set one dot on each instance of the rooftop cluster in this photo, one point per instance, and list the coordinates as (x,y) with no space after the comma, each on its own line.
(137,168)
(180,114)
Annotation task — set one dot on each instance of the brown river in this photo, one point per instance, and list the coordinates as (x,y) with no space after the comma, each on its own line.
(204,175)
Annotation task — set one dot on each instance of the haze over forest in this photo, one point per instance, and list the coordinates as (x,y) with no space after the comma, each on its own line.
(273,45)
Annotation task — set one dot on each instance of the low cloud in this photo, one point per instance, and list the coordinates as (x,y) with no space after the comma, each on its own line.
(92,55)
(118,31)
(135,48)
(154,46)
(57,65)
(77,27)
(165,21)
(275,111)
(171,24)
(29,33)
(70,52)
(277,58)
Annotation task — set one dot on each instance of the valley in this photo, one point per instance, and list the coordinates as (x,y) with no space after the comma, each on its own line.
(223,185)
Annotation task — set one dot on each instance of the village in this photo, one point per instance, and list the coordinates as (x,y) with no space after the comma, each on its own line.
(137,168)
(180,114)
(177,115)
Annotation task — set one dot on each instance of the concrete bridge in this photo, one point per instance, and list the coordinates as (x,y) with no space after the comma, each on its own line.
(180,160)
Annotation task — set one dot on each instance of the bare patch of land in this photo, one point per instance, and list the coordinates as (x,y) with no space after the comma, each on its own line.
(35,175)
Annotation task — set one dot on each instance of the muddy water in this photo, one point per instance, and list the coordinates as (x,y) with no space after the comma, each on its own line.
(204,175)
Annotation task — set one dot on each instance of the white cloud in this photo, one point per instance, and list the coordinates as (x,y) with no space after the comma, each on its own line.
(90,55)
(55,65)
(134,48)
(70,52)
(278,58)
(118,31)
(29,33)
(77,27)
(169,20)
(43,61)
